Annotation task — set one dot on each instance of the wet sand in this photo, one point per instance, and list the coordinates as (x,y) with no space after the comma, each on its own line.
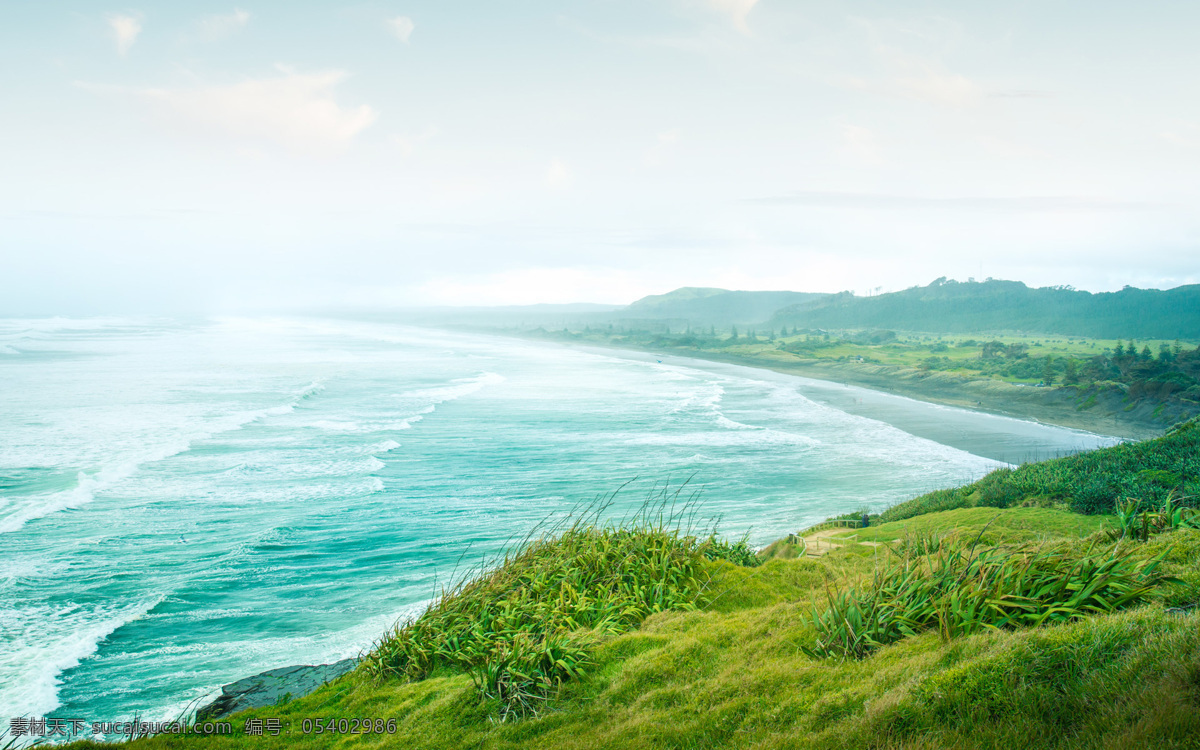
(983,432)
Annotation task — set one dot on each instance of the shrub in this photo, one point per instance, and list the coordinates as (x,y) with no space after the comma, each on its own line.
(958,590)
(932,502)
(527,626)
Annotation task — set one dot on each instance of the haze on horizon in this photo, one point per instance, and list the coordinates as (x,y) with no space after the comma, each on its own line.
(203,157)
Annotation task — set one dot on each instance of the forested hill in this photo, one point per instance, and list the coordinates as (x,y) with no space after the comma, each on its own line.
(969,307)
(703,305)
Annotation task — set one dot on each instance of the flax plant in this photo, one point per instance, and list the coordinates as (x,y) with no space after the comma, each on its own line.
(526,624)
(958,590)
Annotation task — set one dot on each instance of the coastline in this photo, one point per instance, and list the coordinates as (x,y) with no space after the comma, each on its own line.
(1059,407)
(288,683)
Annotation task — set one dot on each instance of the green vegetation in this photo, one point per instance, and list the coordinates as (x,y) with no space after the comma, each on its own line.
(943,307)
(531,623)
(1147,382)
(706,306)
(959,589)
(1016,525)
(1129,357)
(1027,625)
(1148,473)
(947,306)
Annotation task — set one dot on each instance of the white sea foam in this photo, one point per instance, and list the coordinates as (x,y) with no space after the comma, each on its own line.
(729,424)
(723,438)
(455,389)
(15,512)
(43,642)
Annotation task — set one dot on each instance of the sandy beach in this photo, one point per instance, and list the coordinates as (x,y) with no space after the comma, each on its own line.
(1050,406)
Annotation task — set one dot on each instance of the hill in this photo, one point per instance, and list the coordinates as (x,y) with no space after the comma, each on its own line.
(1027,625)
(708,306)
(972,307)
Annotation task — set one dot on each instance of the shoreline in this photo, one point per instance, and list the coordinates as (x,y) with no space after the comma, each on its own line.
(1055,407)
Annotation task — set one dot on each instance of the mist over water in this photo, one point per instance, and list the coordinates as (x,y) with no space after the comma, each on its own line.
(183,504)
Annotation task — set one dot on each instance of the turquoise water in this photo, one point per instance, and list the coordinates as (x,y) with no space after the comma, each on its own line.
(183,504)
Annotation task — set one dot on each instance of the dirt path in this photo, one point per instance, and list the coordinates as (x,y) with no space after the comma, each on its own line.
(824,541)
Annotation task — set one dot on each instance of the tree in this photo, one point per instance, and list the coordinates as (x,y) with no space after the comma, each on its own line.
(771,336)
(1048,370)
(733,336)
(1119,351)
(1071,376)
(1147,355)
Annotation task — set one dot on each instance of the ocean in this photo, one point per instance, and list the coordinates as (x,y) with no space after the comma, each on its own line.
(184,503)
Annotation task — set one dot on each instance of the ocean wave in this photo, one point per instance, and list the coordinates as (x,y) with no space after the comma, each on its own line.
(729,424)
(391,425)
(455,389)
(48,641)
(276,468)
(15,514)
(725,438)
(706,397)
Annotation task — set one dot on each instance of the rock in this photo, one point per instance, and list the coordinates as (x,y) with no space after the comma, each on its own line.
(272,687)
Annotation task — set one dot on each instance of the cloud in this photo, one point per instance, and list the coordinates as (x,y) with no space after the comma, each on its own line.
(1183,134)
(558,176)
(908,57)
(125,31)
(937,87)
(737,10)
(408,143)
(862,144)
(657,155)
(1020,94)
(538,285)
(296,110)
(222,25)
(402,27)
(923,82)
(1017,204)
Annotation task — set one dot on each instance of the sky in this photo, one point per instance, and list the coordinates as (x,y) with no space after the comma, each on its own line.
(206,157)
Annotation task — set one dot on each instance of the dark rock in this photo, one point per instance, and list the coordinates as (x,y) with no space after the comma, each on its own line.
(272,687)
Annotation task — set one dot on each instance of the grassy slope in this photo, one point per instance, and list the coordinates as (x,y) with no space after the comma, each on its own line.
(733,673)
(1007,526)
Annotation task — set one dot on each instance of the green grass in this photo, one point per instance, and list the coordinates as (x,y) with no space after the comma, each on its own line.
(1003,525)
(1094,482)
(529,623)
(956,586)
(1023,626)
(735,673)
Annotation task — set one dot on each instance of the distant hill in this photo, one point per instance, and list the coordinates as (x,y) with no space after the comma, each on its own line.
(972,307)
(704,305)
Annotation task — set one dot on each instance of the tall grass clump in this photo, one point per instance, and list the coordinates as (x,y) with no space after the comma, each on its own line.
(524,626)
(958,590)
